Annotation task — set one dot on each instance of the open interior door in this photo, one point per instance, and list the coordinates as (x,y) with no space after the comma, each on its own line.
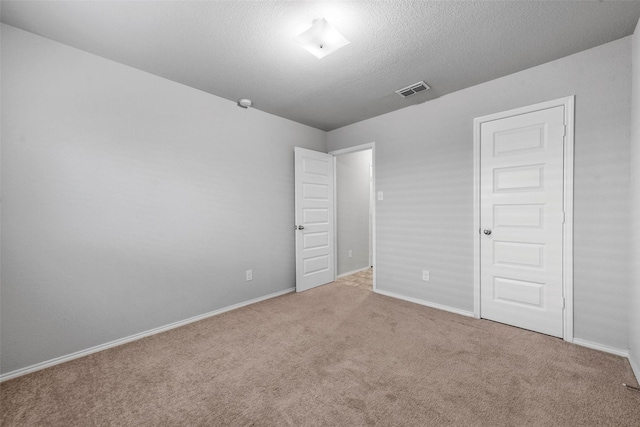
(314,216)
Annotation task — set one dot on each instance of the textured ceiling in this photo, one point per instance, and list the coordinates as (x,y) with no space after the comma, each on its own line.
(245,49)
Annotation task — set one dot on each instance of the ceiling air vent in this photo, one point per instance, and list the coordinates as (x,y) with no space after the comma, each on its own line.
(413,89)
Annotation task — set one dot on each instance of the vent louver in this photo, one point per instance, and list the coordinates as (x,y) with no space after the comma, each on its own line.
(413,89)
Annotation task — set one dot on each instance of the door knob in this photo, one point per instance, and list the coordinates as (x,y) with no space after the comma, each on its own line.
(487,231)
(299,227)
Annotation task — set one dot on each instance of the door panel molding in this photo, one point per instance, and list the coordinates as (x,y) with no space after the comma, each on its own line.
(567,240)
(314,218)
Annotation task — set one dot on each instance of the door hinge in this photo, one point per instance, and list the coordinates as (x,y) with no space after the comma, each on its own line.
(564,217)
(563,304)
(564,130)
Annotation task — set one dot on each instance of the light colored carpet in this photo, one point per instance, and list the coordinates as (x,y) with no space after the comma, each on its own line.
(337,356)
(362,279)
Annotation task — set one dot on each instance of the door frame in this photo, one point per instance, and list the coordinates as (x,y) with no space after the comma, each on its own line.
(370,146)
(567,235)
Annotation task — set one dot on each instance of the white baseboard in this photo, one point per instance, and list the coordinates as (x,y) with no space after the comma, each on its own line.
(426,303)
(353,272)
(101,347)
(601,347)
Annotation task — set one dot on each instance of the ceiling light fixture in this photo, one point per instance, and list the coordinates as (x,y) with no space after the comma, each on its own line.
(321,39)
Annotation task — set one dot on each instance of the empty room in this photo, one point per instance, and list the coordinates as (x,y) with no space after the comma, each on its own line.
(342,213)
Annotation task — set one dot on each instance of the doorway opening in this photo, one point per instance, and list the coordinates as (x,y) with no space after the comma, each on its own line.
(355,216)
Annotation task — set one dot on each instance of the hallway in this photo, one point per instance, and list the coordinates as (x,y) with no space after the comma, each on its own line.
(362,279)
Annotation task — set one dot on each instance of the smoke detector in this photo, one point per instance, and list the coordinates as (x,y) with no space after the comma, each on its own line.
(413,89)
(244,103)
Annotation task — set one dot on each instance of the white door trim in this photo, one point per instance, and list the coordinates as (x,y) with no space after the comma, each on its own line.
(370,146)
(567,241)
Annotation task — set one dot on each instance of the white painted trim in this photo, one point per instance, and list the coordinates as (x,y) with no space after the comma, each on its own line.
(135,337)
(567,255)
(634,367)
(335,218)
(426,303)
(362,147)
(601,347)
(374,262)
(372,203)
(476,218)
(349,273)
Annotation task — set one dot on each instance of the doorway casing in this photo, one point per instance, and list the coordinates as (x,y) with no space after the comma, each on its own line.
(567,249)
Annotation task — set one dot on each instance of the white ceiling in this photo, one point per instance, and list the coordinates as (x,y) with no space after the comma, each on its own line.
(245,49)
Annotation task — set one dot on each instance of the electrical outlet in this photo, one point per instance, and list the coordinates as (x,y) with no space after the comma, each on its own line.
(249,274)
(350,253)
(425,275)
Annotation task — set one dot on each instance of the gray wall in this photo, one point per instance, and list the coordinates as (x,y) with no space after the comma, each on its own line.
(130,201)
(424,165)
(353,199)
(634,306)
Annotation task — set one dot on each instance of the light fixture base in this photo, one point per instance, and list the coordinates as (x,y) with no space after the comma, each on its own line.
(321,39)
